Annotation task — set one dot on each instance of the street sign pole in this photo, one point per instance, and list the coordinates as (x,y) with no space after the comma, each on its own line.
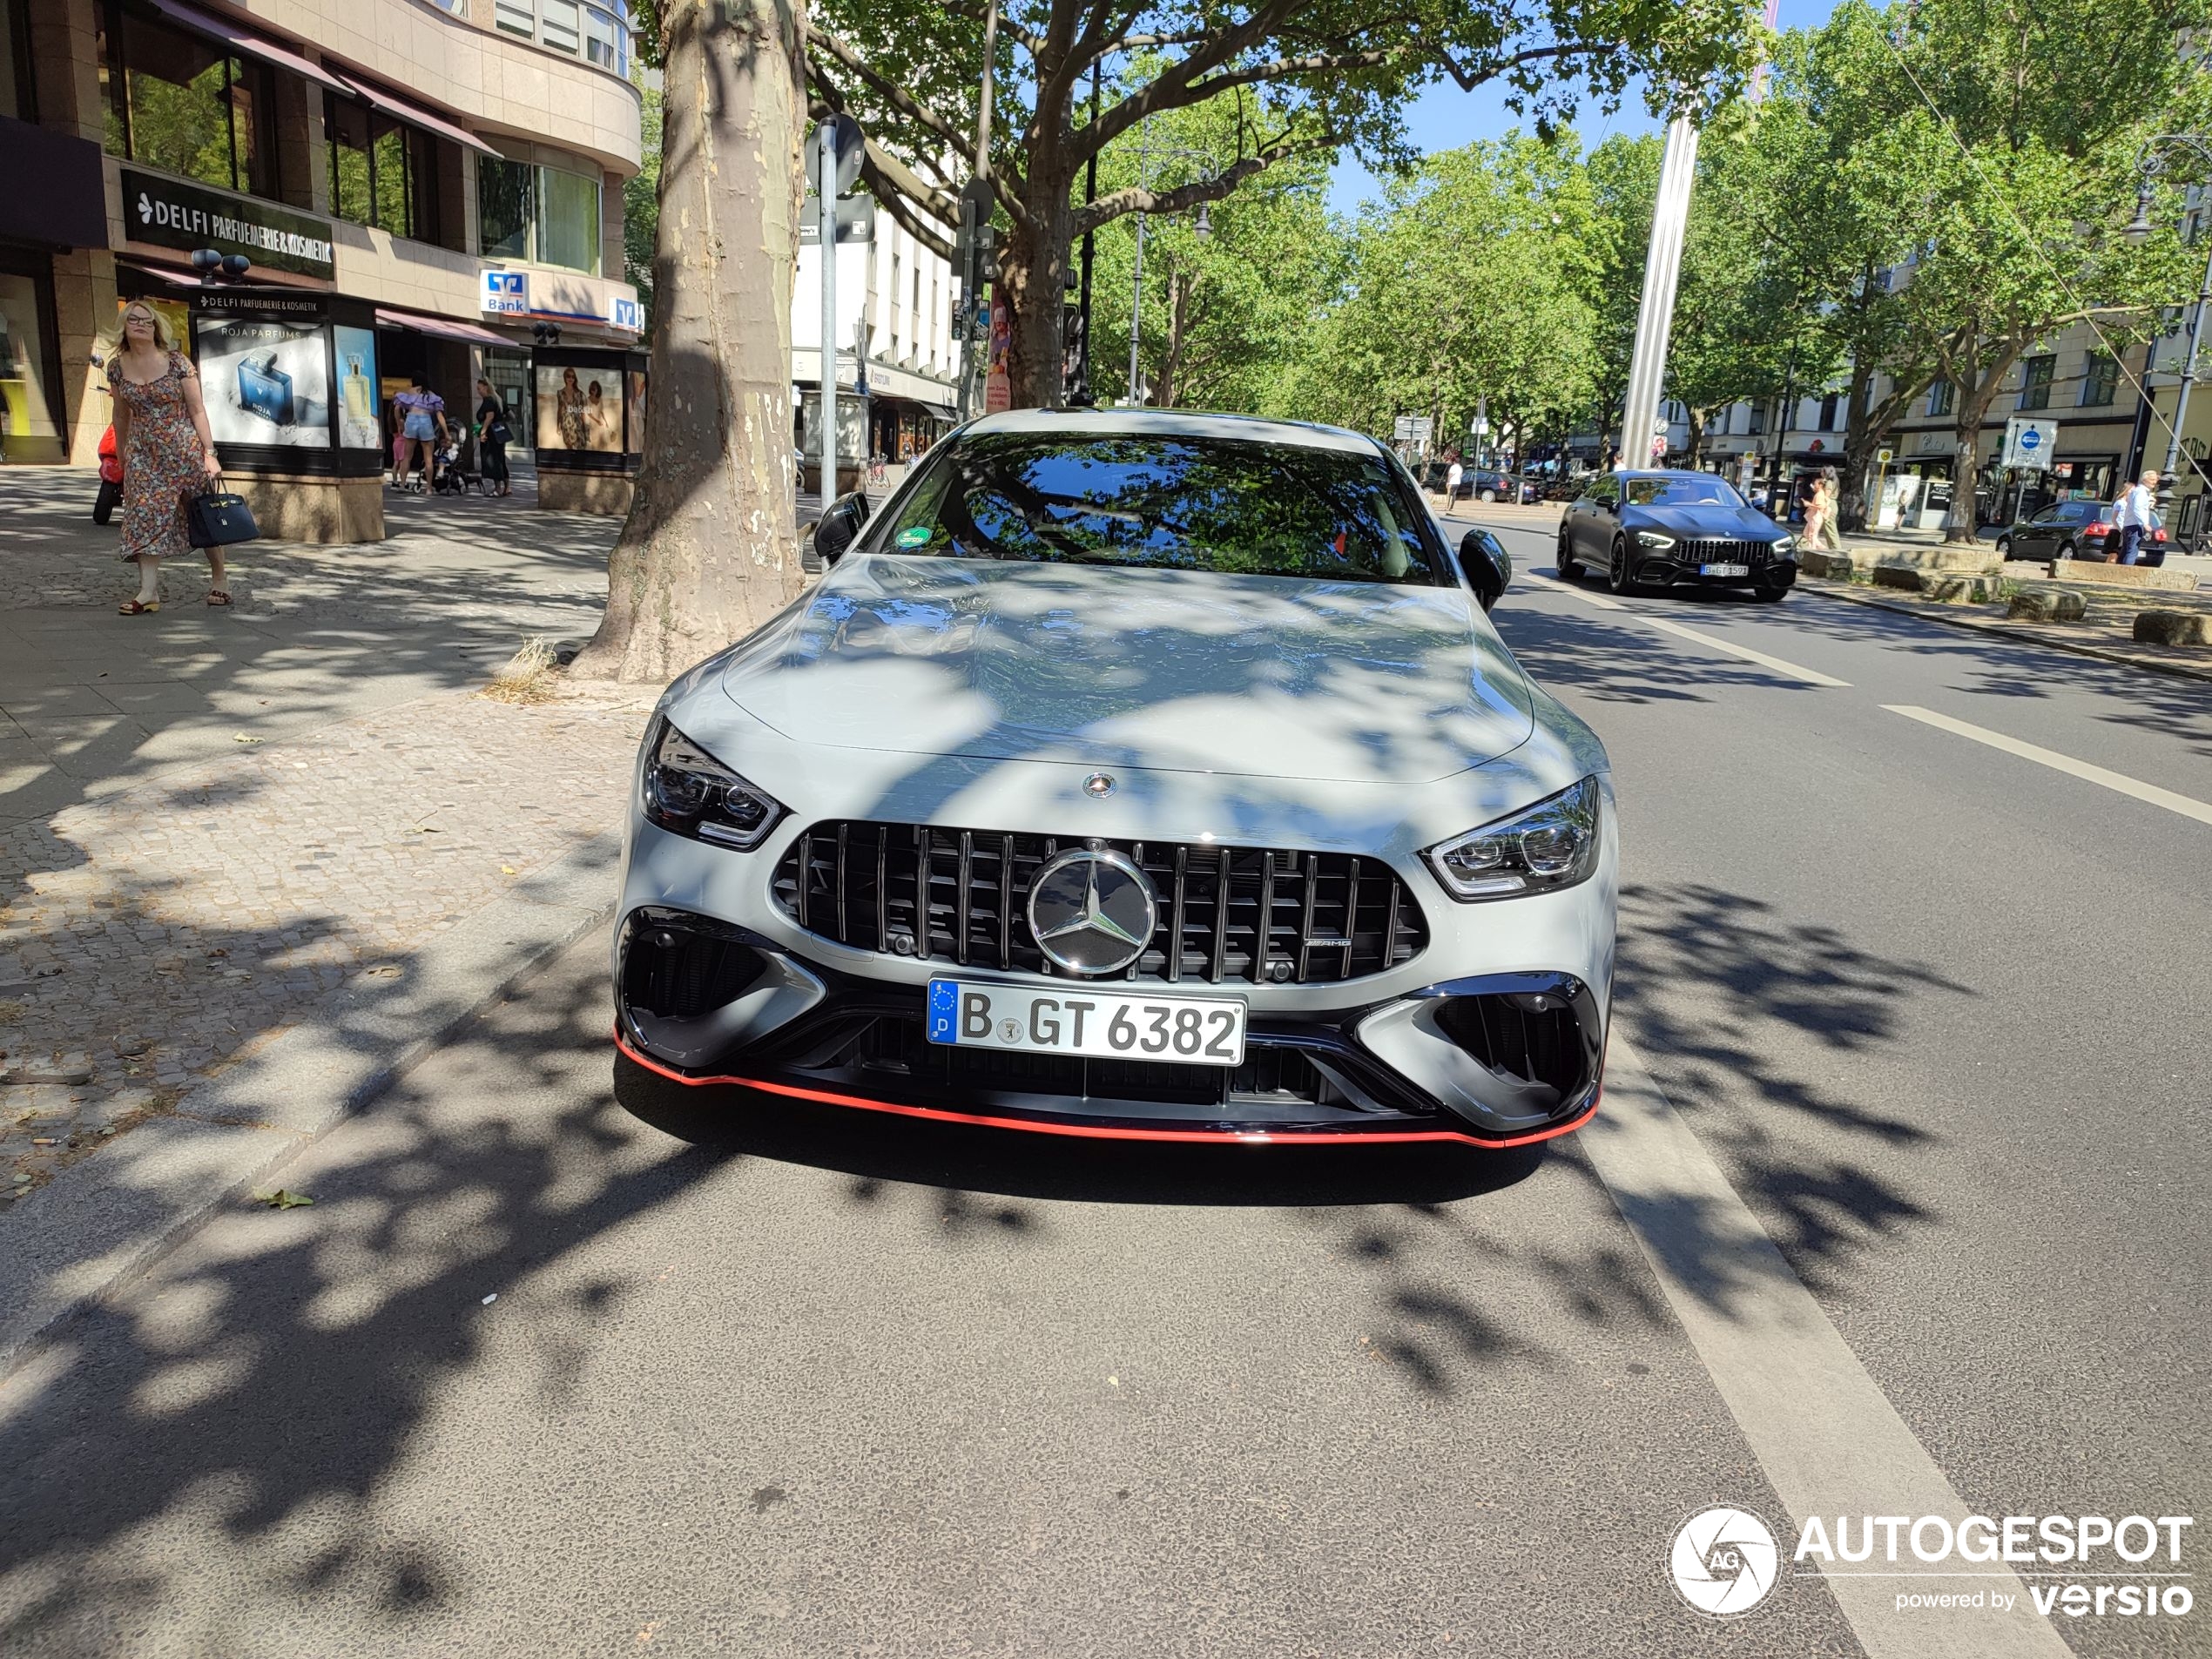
(826,336)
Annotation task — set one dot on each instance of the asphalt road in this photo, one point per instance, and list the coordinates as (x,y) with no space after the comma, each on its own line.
(1936,1010)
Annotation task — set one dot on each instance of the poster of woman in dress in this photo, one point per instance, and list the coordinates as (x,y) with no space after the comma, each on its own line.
(576,412)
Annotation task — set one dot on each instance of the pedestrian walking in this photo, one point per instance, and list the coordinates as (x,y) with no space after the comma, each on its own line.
(2131,516)
(422,424)
(493,434)
(168,452)
(1820,513)
(1453,473)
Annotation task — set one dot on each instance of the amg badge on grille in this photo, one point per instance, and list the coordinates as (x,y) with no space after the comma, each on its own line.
(1092,911)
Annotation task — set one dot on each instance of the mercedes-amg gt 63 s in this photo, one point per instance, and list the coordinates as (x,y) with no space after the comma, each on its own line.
(1127,775)
(1674,530)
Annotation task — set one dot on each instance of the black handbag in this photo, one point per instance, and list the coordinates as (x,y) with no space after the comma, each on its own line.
(215,518)
(103,503)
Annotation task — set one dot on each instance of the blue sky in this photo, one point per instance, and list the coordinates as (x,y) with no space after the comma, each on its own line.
(1444,117)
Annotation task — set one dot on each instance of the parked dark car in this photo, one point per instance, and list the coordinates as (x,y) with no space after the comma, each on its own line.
(1674,530)
(1499,486)
(2075,529)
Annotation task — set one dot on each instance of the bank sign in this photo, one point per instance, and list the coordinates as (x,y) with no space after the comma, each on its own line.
(548,296)
(172,214)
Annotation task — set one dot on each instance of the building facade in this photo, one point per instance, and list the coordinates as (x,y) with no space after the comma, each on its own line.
(457,167)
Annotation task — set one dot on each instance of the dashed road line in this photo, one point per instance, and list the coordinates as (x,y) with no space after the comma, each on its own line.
(1825,1435)
(2119,782)
(1727,647)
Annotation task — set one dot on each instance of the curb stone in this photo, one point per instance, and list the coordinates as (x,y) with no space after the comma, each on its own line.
(2076,647)
(100,1223)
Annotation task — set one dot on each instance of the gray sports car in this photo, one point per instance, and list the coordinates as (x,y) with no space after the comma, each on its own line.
(1130,775)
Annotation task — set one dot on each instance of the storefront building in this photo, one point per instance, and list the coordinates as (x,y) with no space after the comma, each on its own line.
(456,168)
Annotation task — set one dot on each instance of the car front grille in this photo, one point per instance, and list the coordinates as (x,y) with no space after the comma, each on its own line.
(1750,553)
(960,897)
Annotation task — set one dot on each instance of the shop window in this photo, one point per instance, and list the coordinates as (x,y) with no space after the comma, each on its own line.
(175,101)
(505,190)
(515,16)
(2035,382)
(1942,396)
(2101,381)
(29,418)
(16,95)
(559,25)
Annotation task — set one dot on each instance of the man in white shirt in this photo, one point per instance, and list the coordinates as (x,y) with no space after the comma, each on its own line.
(1453,473)
(2131,516)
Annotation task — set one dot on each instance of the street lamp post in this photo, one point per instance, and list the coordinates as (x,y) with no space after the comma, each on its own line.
(1203,226)
(2157,158)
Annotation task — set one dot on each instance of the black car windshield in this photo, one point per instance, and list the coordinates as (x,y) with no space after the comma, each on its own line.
(1680,492)
(1234,505)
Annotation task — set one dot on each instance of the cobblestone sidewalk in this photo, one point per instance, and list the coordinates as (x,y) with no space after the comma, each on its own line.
(152,937)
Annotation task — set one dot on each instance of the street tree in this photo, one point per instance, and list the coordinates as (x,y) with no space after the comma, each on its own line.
(708,552)
(2006,136)
(1336,74)
(1224,313)
(1467,288)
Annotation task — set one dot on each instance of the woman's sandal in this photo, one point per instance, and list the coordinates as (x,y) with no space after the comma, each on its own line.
(219,596)
(137,608)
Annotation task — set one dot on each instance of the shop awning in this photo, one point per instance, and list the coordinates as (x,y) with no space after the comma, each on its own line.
(942,412)
(400,109)
(242,39)
(443,328)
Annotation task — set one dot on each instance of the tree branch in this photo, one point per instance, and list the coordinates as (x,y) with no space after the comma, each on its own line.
(892,93)
(1136,199)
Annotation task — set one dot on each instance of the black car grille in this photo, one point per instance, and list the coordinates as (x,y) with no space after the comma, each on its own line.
(1330,916)
(1750,553)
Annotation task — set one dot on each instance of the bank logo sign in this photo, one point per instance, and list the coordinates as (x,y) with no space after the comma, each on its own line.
(169,213)
(628,316)
(1724,1561)
(507,293)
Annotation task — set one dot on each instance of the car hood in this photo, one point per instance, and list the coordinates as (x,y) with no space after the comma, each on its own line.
(1167,670)
(1732,523)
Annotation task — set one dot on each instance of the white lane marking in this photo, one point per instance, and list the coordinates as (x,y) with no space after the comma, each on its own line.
(2119,782)
(1793,670)
(1821,1429)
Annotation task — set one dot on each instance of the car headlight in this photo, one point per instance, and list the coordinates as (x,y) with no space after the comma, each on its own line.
(687,791)
(1653,538)
(1539,849)
(1782,544)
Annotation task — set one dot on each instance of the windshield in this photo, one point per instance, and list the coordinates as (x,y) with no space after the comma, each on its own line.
(1681,492)
(1185,503)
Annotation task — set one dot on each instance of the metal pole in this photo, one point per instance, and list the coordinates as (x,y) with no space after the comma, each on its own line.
(825,355)
(2189,369)
(1662,271)
(1091,195)
(1136,309)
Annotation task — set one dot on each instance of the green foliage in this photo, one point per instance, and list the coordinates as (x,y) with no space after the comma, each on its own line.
(1224,314)
(1470,280)
(641,206)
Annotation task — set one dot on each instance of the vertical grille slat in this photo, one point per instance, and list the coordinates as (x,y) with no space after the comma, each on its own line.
(954,895)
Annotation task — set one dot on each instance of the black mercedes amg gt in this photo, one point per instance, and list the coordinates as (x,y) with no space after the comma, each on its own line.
(1674,530)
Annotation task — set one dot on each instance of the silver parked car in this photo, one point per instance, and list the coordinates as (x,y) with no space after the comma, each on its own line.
(1131,775)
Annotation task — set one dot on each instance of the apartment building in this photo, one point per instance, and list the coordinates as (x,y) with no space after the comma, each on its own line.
(451,171)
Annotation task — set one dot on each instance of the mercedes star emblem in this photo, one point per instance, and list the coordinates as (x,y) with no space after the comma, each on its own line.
(1098,784)
(1092,911)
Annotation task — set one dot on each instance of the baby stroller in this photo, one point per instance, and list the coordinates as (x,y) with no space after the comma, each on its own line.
(448,476)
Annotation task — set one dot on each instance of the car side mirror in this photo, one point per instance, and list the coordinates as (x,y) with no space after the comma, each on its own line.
(839,526)
(1488,566)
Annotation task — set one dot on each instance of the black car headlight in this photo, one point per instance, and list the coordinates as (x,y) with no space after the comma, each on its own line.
(687,791)
(1539,849)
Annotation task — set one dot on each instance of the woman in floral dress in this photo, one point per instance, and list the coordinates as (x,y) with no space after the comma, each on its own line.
(168,452)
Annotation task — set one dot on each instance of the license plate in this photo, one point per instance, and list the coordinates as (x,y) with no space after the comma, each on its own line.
(1077,1020)
(1724,570)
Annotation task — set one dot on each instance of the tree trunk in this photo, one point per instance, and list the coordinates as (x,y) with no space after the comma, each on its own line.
(1178,339)
(1696,436)
(708,552)
(1858,444)
(1033,270)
